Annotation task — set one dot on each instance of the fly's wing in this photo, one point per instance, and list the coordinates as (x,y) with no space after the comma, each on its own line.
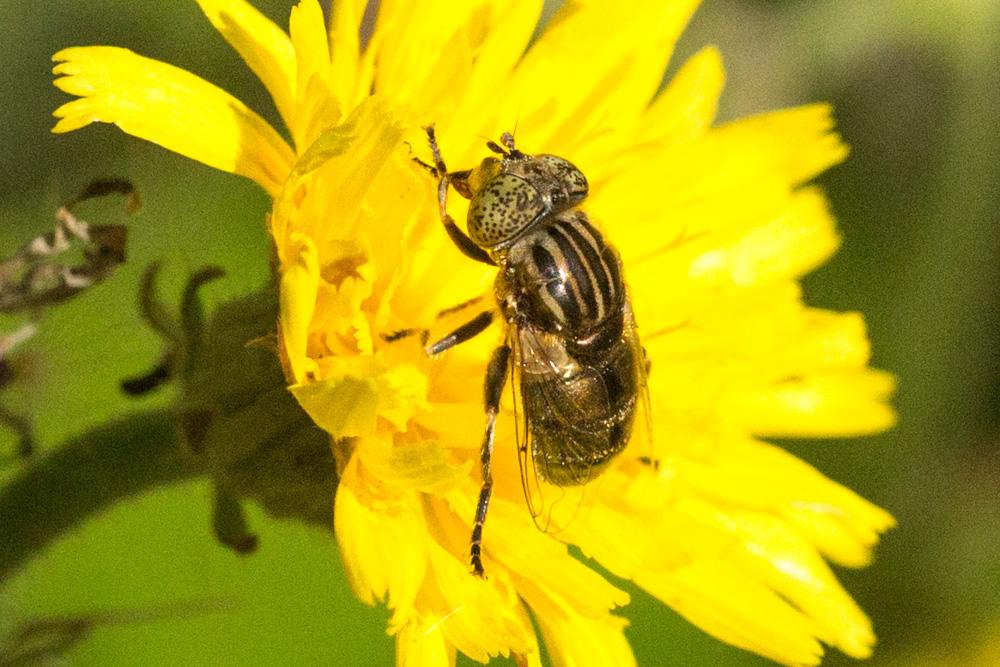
(556,492)
(641,445)
(530,481)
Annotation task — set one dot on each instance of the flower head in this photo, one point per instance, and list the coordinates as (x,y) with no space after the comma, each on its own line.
(715,226)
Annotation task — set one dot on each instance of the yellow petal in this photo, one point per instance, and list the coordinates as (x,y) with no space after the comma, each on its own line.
(723,183)
(829,340)
(171,107)
(420,465)
(340,324)
(422,644)
(481,618)
(505,29)
(559,90)
(619,541)
(264,47)
(512,539)
(337,200)
(765,336)
(316,107)
(830,532)
(827,405)
(286,216)
(307,28)
(684,111)
(734,328)
(383,546)
(780,559)
(573,639)
(758,476)
(356,391)
(347,73)
(797,240)
(737,609)
(798,142)
(791,240)
(686,108)
(299,285)
(417,44)
(753,162)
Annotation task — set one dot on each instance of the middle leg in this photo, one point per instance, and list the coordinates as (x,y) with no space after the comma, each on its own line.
(469,330)
(424,333)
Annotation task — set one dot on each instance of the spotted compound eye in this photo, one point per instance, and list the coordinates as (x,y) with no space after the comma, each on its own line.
(568,176)
(502,208)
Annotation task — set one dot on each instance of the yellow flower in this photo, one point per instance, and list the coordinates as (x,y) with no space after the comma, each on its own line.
(715,226)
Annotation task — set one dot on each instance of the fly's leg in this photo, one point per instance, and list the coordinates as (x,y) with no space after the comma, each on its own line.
(460,306)
(400,334)
(424,334)
(470,329)
(496,377)
(458,237)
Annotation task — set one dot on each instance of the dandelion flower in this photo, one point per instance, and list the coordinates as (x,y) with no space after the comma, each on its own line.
(715,225)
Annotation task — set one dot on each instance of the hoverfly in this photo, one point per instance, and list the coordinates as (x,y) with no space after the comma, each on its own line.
(570,347)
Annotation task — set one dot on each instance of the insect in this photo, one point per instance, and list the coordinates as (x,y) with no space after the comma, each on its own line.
(44,273)
(570,348)
(31,278)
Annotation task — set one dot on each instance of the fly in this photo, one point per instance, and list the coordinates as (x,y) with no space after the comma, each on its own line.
(570,345)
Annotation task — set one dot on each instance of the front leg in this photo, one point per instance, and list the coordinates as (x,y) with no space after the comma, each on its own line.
(458,237)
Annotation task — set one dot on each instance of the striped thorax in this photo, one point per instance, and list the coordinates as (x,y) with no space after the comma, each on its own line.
(563,278)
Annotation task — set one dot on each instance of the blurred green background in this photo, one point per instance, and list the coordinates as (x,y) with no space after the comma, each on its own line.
(917,92)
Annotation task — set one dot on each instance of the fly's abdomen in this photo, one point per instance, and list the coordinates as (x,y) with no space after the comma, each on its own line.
(565,277)
(582,418)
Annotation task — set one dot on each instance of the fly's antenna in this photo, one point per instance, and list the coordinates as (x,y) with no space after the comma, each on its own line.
(507,139)
(496,148)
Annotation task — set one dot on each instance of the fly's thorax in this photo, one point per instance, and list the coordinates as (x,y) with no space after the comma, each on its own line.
(562,277)
(512,194)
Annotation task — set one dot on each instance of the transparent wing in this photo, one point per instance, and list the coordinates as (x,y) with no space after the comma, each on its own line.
(641,445)
(562,407)
(530,482)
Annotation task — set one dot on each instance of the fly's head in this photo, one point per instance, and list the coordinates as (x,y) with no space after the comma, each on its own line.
(515,191)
